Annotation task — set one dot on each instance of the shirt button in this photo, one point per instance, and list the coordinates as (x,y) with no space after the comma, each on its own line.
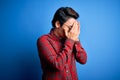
(66,70)
(76,45)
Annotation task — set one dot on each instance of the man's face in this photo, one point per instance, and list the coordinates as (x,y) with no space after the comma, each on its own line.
(68,25)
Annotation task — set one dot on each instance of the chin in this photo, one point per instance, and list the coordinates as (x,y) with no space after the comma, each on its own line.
(64,37)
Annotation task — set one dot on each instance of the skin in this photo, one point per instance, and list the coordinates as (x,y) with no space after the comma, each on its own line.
(70,29)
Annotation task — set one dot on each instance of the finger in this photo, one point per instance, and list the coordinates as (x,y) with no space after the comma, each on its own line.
(66,31)
(73,27)
(79,30)
(78,27)
(78,23)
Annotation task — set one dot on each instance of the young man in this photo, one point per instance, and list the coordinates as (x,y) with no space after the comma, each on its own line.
(60,49)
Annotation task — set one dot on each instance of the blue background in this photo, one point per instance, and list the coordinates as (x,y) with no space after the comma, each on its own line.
(22,22)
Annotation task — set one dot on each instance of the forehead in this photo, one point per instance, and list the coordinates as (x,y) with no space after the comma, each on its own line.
(70,21)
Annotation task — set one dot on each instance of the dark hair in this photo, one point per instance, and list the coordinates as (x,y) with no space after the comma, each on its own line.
(63,14)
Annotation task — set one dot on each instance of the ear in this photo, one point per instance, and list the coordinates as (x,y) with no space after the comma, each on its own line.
(57,24)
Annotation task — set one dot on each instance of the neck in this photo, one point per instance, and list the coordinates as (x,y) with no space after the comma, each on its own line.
(57,33)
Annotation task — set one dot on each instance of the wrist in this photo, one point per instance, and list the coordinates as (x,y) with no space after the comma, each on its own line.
(77,39)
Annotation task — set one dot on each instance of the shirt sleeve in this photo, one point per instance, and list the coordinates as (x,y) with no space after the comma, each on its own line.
(80,55)
(57,60)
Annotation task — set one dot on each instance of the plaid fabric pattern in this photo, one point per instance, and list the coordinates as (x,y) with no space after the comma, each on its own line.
(58,57)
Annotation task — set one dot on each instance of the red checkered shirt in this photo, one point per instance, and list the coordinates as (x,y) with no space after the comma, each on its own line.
(58,57)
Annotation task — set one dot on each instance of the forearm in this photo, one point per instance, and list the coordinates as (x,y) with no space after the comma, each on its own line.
(80,54)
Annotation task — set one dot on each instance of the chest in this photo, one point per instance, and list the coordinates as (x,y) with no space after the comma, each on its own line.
(56,45)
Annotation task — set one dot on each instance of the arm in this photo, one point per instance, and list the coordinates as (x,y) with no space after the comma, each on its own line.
(80,54)
(57,60)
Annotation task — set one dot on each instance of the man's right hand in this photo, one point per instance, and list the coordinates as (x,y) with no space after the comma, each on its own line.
(74,32)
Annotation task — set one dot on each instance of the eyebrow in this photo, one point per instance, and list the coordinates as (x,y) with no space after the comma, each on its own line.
(69,26)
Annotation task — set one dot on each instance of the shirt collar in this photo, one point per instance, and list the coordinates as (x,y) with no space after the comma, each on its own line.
(53,36)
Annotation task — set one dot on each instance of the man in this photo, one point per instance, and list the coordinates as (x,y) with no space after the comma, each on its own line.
(60,49)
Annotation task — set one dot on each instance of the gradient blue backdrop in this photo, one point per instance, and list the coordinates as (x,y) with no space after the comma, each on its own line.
(22,22)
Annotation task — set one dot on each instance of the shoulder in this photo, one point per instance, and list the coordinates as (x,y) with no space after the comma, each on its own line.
(43,38)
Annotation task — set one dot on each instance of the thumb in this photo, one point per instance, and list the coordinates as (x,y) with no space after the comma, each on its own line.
(66,32)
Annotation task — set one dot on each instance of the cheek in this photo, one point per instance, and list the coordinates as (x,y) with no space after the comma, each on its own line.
(61,31)
(67,29)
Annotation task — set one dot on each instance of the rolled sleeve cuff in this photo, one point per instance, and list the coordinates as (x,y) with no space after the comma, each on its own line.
(78,45)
